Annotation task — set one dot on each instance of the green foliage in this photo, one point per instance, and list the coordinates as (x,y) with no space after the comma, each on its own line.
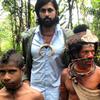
(9,5)
(96,14)
(5,36)
(10,30)
(97,58)
(33,17)
(95,3)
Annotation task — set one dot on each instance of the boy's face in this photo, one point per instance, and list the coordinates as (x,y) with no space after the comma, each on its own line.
(11,76)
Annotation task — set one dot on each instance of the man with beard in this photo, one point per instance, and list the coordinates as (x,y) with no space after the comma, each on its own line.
(81,81)
(43,50)
(11,71)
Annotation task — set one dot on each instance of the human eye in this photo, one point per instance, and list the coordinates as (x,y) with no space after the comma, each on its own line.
(50,10)
(2,72)
(12,71)
(86,52)
(42,10)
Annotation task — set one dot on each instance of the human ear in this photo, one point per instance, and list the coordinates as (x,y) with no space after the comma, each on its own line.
(23,69)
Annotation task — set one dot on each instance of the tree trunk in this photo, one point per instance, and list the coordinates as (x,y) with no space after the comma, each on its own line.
(29,15)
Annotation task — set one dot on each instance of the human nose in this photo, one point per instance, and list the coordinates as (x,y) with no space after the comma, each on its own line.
(90,55)
(6,77)
(46,13)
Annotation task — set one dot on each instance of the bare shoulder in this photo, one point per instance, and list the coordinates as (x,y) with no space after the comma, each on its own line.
(64,74)
(32,93)
(97,73)
(3,94)
(2,91)
(36,94)
(98,69)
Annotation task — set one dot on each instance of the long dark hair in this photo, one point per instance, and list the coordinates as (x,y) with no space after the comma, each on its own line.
(41,3)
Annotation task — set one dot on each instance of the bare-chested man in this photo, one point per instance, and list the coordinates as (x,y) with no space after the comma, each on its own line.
(11,71)
(81,80)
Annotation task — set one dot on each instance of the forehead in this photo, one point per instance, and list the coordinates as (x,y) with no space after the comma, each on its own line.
(88,46)
(48,5)
(8,67)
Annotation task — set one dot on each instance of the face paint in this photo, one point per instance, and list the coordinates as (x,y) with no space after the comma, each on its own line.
(86,55)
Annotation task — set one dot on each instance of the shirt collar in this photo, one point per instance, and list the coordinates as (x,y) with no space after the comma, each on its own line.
(58,28)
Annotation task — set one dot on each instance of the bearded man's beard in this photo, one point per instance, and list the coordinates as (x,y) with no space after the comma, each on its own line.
(47,22)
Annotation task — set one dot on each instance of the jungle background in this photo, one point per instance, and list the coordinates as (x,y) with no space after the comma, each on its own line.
(16,16)
(20,16)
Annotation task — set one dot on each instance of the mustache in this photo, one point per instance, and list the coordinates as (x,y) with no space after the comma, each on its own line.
(7,82)
(85,59)
(47,18)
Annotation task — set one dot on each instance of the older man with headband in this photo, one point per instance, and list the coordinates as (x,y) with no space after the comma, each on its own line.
(81,81)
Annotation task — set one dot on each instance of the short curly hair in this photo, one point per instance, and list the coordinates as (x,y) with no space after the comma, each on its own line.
(12,56)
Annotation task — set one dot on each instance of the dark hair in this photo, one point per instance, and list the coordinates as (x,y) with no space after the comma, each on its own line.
(41,3)
(12,56)
(80,28)
(75,48)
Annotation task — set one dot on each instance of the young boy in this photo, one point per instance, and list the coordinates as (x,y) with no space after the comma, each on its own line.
(11,72)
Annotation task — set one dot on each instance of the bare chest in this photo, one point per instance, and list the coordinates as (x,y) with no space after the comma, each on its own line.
(17,97)
(48,39)
(92,82)
(89,82)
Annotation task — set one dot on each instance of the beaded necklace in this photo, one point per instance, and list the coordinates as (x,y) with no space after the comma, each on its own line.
(78,75)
